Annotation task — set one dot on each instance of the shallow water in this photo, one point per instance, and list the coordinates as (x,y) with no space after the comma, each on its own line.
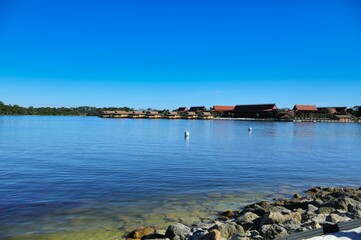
(93,178)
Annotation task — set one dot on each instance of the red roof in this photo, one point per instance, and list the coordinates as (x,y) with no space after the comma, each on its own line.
(299,107)
(256,108)
(222,108)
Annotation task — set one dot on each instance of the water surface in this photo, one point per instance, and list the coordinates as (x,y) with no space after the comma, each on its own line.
(93,178)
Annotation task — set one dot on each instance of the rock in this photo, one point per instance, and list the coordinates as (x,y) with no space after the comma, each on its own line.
(204,226)
(223,218)
(177,230)
(292,224)
(197,235)
(275,231)
(254,208)
(311,208)
(239,237)
(155,236)
(334,218)
(159,231)
(333,189)
(326,210)
(247,217)
(254,234)
(316,225)
(228,229)
(313,190)
(295,204)
(139,233)
(246,220)
(278,217)
(227,214)
(297,195)
(264,228)
(297,216)
(213,235)
(320,218)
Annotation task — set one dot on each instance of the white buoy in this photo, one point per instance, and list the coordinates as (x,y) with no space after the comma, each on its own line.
(250,129)
(186,134)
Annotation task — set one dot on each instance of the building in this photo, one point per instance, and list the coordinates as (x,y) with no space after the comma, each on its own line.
(333,110)
(222,111)
(205,115)
(255,111)
(182,109)
(121,114)
(189,115)
(115,114)
(107,114)
(136,114)
(305,108)
(198,109)
(172,115)
(343,118)
(153,115)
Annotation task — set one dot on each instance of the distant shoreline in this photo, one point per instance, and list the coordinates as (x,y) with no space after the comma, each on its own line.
(217,119)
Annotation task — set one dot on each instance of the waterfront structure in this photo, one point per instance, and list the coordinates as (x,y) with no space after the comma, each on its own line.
(205,115)
(172,115)
(198,109)
(153,114)
(222,111)
(303,111)
(182,109)
(333,110)
(255,111)
(107,114)
(136,114)
(189,115)
(305,108)
(115,114)
(344,118)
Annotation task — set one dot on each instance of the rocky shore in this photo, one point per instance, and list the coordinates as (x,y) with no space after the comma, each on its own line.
(318,207)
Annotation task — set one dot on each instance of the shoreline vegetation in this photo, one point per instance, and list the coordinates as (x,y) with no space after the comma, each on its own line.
(253,112)
(319,208)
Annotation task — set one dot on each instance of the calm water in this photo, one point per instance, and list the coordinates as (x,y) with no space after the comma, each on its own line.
(93,178)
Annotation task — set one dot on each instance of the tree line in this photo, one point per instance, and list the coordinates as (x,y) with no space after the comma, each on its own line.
(57,111)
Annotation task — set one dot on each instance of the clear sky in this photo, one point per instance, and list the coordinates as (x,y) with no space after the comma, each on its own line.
(165,54)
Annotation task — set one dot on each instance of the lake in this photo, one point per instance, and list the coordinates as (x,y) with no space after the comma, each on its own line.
(94,178)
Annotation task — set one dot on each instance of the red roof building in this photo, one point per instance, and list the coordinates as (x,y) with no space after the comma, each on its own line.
(305,108)
(217,108)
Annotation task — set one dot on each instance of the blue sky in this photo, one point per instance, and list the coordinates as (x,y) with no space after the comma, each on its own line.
(165,54)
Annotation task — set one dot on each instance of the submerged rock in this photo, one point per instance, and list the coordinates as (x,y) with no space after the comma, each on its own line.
(270,220)
(227,214)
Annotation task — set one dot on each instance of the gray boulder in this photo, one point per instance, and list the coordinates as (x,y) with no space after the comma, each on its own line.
(292,224)
(197,235)
(334,218)
(177,231)
(228,229)
(274,231)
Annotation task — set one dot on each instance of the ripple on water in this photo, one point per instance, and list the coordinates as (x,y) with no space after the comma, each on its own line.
(92,178)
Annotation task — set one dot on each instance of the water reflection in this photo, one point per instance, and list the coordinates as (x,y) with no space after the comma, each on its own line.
(304,129)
